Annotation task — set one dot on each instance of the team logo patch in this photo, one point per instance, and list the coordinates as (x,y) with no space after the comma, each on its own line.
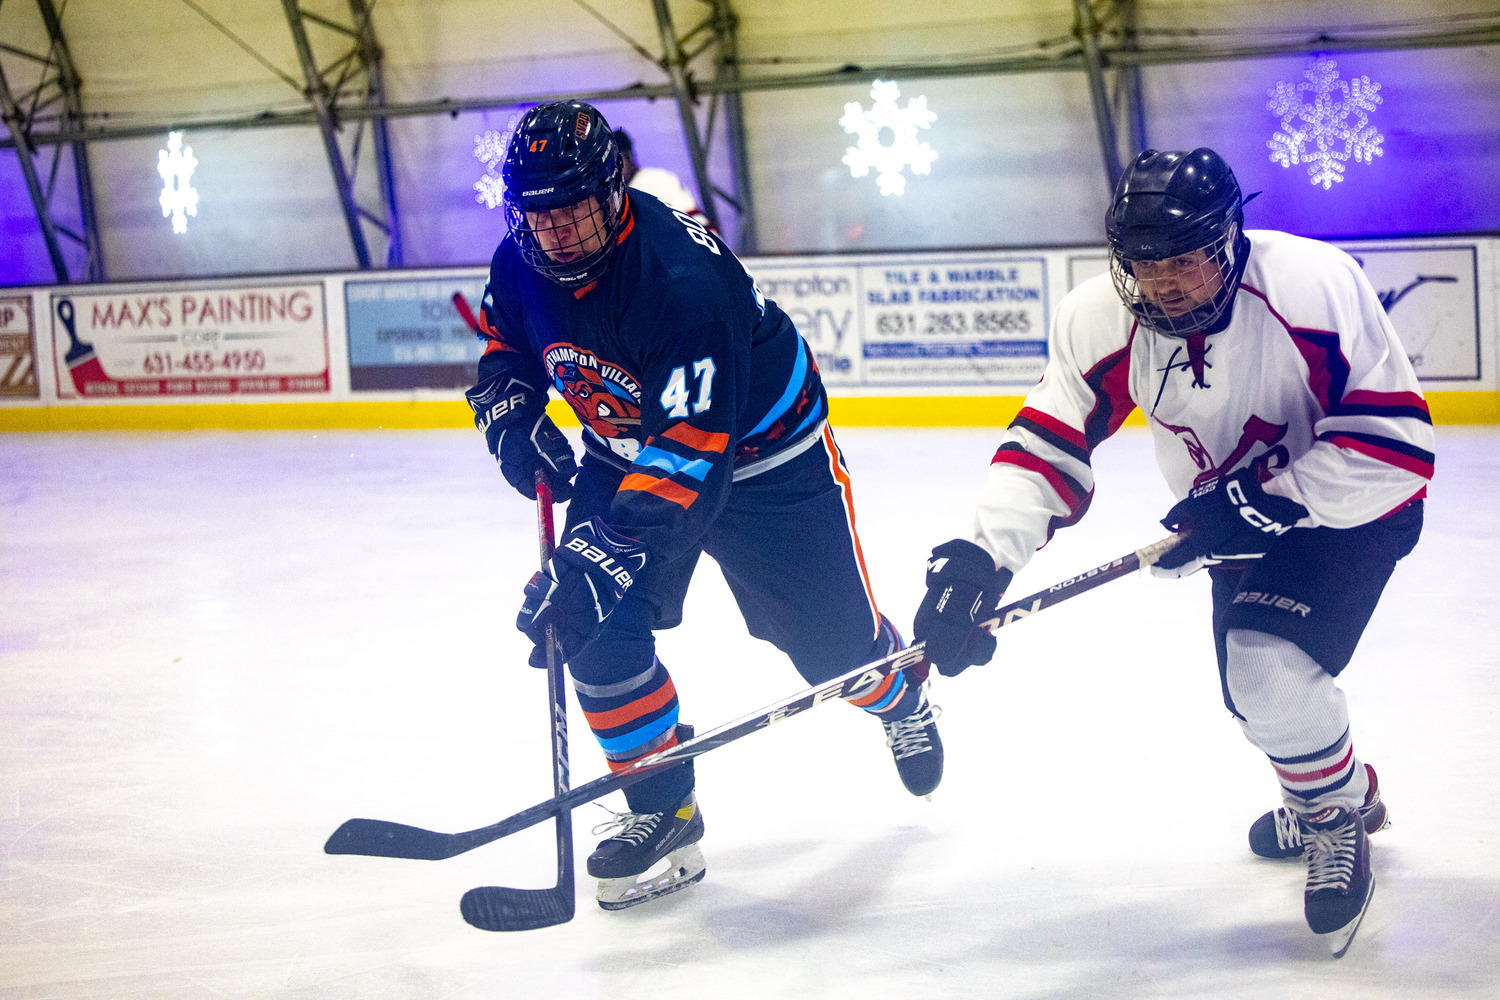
(1255,432)
(606,398)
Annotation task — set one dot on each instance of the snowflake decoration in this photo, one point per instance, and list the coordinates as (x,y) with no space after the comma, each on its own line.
(178,198)
(1332,129)
(904,148)
(489,146)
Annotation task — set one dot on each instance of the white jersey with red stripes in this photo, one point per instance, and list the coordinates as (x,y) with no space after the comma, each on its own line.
(1308,382)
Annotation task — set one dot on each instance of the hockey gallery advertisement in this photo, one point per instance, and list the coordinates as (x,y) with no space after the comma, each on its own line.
(917,321)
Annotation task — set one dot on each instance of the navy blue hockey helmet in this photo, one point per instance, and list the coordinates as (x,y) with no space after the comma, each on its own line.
(1168,206)
(561,155)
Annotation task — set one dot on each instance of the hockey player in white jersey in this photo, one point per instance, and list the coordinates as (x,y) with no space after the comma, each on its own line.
(1288,421)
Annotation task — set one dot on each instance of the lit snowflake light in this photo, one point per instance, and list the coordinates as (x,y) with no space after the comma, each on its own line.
(178,198)
(489,146)
(904,149)
(1334,128)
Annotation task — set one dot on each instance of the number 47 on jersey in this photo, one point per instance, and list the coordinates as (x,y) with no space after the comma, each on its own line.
(674,398)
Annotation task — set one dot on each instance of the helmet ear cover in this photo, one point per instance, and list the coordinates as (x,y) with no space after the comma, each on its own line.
(563,154)
(1170,204)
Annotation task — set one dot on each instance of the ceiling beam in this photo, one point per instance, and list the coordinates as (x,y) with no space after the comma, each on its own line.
(1070,61)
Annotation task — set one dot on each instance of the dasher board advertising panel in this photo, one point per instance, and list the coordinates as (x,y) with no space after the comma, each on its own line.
(1431,294)
(407,334)
(17,349)
(212,340)
(918,321)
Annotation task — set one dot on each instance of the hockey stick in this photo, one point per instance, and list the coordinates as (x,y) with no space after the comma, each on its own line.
(1075,585)
(384,839)
(466,313)
(500,908)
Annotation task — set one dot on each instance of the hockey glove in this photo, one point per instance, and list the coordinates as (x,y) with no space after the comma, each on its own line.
(513,418)
(593,567)
(964,590)
(1225,519)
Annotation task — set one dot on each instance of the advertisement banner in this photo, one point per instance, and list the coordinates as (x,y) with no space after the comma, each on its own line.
(1431,294)
(17,349)
(407,334)
(195,341)
(919,321)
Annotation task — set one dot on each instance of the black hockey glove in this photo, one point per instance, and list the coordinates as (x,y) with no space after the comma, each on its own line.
(963,591)
(593,567)
(1227,518)
(513,418)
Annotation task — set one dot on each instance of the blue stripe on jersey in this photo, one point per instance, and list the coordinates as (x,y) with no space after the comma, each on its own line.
(672,464)
(793,386)
(638,737)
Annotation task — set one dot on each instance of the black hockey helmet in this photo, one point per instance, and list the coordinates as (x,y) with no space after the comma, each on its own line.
(559,155)
(1169,204)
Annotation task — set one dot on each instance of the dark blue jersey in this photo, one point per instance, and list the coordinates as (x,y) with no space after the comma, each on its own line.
(675,364)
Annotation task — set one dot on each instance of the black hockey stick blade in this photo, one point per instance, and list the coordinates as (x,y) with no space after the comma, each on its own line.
(497,908)
(378,838)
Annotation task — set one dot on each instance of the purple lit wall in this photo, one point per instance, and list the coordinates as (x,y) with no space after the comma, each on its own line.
(1439,168)
(1018,164)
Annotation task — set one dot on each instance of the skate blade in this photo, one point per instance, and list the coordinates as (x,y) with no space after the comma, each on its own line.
(1339,940)
(684,867)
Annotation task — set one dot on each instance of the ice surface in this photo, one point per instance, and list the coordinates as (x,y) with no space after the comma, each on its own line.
(214,648)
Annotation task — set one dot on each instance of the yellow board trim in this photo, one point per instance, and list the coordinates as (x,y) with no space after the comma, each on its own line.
(844,411)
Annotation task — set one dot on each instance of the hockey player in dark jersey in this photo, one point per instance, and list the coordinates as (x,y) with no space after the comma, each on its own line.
(1291,427)
(704,430)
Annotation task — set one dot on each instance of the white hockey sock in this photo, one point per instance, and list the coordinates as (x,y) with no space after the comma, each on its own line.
(1295,713)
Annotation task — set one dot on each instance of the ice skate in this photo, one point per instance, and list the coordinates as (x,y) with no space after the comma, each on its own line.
(1278,835)
(918,750)
(1340,881)
(626,863)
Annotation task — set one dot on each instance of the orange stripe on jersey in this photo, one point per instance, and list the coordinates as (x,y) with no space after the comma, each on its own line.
(496,344)
(664,488)
(695,439)
(632,710)
(836,466)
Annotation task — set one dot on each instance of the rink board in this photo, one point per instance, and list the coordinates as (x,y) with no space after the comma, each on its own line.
(936,338)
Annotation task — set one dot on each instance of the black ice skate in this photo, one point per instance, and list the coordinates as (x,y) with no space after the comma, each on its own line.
(1278,835)
(623,863)
(1339,879)
(918,751)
